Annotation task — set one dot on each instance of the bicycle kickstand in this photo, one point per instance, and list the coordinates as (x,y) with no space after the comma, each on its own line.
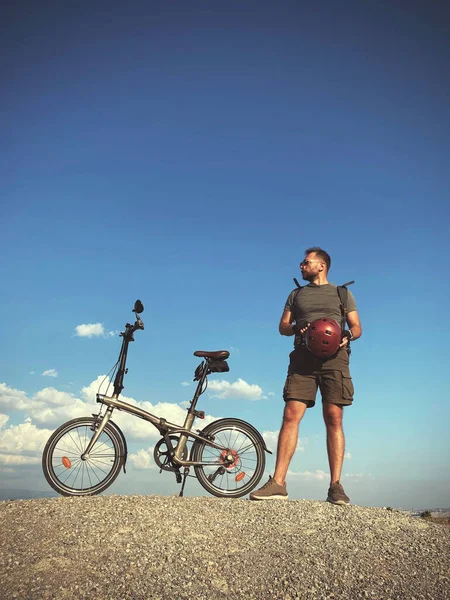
(185,476)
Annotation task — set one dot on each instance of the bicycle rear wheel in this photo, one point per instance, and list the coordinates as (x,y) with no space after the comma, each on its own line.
(64,468)
(237,468)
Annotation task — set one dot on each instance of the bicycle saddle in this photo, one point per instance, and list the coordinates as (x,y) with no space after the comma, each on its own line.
(217,355)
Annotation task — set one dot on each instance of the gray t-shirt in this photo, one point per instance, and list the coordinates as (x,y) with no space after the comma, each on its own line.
(315,301)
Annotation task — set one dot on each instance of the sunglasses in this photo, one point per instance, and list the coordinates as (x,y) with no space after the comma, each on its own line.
(306,262)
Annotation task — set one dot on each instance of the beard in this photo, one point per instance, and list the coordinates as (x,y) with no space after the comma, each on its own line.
(309,276)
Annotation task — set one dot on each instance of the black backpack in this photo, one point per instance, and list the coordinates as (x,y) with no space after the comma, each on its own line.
(343,299)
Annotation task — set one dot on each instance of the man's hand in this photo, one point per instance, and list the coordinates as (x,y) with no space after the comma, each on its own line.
(347,335)
(298,329)
(286,326)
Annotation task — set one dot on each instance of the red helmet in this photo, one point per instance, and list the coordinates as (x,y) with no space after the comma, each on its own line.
(323,337)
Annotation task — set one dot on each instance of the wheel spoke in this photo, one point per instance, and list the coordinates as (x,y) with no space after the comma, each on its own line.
(94,472)
(89,477)
(80,440)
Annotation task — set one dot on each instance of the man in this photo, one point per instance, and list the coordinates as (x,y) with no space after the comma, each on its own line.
(306,373)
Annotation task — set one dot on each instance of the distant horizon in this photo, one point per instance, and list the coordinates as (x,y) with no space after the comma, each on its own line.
(42,494)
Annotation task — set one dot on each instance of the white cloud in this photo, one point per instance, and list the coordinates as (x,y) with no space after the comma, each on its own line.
(49,405)
(52,406)
(271,439)
(18,459)
(318,474)
(89,330)
(50,373)
(347,455)
(12,398)
(25,437)
(101,385)
(238,389)
(93,330)
(143,459)
(185,383)
(57,416)
(21,444)
(358,476)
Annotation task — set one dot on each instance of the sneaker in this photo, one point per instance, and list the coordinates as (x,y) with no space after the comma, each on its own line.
(270,491)
(336,494)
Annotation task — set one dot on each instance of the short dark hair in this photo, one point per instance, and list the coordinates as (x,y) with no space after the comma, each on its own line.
(321,254)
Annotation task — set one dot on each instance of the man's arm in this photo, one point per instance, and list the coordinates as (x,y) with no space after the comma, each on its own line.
(285,326)
(354,326)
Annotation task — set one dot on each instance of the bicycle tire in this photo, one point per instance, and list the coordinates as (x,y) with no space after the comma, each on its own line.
(240,477)
(63,466)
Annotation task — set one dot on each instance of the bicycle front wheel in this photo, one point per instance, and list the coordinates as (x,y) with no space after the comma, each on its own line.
(68,473)
(237,468)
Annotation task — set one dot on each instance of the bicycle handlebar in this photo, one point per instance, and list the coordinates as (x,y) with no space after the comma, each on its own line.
(127,337)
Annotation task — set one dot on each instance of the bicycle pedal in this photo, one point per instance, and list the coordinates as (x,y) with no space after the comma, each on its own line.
(212,476)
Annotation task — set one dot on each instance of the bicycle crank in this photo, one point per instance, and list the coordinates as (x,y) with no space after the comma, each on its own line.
(162,457)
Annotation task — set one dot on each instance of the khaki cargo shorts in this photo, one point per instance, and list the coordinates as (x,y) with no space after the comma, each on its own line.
(306,374)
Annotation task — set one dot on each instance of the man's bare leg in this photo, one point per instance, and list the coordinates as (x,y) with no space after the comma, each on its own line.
(287,440)
(332,414)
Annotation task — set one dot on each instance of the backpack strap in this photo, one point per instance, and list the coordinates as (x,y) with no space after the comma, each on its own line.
(299,287)
(343,299)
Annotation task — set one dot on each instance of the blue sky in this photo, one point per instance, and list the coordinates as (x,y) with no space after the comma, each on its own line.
(186,153)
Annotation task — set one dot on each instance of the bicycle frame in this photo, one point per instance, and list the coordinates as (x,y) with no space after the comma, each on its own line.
(164,427)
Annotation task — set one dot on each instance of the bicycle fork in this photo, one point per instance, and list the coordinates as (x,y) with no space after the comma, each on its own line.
(97,433)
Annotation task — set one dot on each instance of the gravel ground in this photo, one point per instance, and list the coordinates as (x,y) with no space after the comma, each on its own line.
(155,547)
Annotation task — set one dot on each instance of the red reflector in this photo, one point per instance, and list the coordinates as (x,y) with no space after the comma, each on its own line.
(66,462)
(240,476)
